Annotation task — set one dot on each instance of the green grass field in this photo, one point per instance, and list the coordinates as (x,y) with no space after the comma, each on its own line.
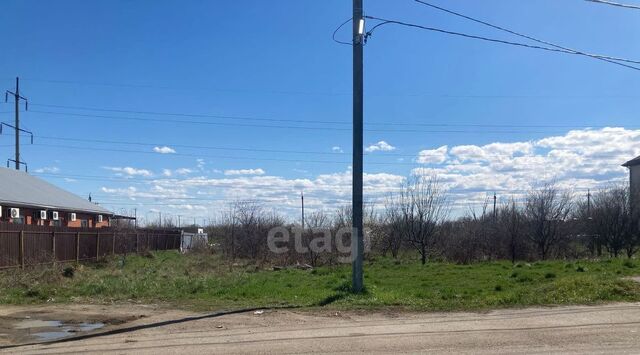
(205,282)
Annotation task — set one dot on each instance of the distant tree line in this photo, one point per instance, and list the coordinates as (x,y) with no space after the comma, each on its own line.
(545,223)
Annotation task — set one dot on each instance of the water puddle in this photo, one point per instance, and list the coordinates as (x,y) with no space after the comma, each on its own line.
(46,330)
(87,327)
(46,336)
(37,323)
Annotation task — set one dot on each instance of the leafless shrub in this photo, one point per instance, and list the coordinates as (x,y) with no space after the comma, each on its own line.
(423,208)
(613,221)
(546,211)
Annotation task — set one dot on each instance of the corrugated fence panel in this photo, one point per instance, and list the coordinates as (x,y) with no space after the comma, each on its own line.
(38,247)
(88,245)
(65,246)
(42,244)
(105,242)
(9,248)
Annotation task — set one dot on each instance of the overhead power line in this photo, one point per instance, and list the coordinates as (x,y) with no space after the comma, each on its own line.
(345,129)
(187,88)
(635,7)
(609,59)
(251,118)
(419,154)
(284,189)
(195,115)
(413,164)
(384,21)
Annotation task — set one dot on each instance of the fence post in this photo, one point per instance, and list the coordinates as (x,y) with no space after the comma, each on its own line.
(137,243)
(77,246)
(53,245)
(97,246)
(22,249)
(113,242)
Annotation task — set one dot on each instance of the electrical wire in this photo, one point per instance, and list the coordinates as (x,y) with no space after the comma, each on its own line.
(384,21)
(609,59)
(419,154)
(227,124)
(635,7)
(295,188)
(235,158)
(338,29)
(156,113)
(233,117)
(187,88)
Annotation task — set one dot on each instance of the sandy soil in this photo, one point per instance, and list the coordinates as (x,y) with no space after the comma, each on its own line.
(154,330)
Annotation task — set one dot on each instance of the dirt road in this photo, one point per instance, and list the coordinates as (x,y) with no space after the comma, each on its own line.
(580,329)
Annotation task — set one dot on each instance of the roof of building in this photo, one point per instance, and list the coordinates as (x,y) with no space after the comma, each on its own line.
(19,189)
(633,162)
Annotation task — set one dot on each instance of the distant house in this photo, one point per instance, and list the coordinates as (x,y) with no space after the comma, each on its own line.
(634,180)
(25,199)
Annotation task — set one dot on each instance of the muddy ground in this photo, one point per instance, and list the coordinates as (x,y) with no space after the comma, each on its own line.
(28,324)
(151,329)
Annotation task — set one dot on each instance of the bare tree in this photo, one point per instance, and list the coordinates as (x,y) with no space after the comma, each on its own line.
(423,207)
(511,222)
(317,223)
(612,220)
(391,239)
(546,211)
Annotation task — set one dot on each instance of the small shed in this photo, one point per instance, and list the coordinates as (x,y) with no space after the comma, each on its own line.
(190,241)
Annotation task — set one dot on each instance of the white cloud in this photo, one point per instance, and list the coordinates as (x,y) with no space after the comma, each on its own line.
(164,150)
(436,156)
(129,171)
(48,169)
(183,171)
(577,160)
(381,146)
(337,149)
(244,172)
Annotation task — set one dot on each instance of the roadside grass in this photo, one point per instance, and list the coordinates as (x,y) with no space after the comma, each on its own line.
(206,282)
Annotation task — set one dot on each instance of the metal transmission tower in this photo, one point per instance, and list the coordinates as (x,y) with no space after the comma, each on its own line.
(357,239)
(16,127)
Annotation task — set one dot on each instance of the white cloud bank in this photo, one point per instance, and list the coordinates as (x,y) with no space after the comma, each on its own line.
(164,150)
(244,172)
(48,169)
(577,160)
(433,156)
(129,171)
(381,146)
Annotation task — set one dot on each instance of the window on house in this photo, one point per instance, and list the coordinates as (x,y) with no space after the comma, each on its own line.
(84,223)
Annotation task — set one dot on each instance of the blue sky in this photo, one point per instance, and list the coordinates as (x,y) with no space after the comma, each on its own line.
(276,60)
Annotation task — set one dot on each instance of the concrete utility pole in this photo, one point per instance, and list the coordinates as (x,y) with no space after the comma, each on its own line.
(357,239)
(17,97)
(302,201)
(495,199)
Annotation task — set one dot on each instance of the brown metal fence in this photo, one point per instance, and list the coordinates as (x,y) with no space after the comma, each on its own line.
(22,245)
